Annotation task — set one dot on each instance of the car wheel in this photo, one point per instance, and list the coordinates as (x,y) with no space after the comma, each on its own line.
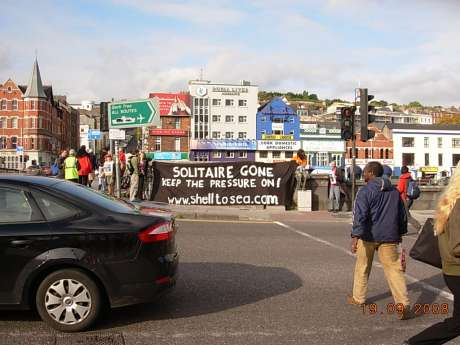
(68,300)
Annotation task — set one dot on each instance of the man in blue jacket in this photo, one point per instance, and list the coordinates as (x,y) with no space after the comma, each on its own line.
(379,221)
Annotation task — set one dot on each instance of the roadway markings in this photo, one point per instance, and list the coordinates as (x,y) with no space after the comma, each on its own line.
(224,221)
(410,278)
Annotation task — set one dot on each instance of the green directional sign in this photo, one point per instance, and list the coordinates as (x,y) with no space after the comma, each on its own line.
(138,113)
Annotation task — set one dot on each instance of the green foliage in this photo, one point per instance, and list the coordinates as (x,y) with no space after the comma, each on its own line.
(380,103)
(415,104)
(291,96)
(450,120)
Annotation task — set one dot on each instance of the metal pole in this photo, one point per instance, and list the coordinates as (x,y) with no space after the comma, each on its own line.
(353,176)
(117,171)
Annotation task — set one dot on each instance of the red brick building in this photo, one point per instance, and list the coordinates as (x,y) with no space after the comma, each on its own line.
(175,114)
(380,148)
(33,118)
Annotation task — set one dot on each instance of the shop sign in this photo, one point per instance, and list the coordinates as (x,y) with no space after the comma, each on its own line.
(429,170)
(223,144)
(168,156)
(278,145)
(170,132)
(323,145)
(277,137)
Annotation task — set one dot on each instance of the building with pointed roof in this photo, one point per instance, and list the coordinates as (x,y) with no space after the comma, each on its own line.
(34,124)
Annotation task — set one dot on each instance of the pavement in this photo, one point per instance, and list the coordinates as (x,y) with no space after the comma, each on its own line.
(270,213)
(259,283)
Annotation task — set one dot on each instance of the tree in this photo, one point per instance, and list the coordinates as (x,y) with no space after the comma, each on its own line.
(415,104)
(452,120)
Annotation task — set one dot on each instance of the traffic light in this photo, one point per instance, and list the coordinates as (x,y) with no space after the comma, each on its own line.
(366,118)
(346,123)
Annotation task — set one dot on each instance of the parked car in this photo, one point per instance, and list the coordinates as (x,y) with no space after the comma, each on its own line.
(70,251)
(33,170)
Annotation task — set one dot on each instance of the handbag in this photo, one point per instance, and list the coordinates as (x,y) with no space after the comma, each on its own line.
(425,248)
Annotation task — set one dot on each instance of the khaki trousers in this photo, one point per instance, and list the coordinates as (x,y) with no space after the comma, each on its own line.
(133,186)
(389,258)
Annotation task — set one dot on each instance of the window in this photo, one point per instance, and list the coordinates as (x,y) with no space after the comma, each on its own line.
(407,142)
(263,132)
(15,207)
(14,142)
(278,132)
(32,105)
(4,104)
(323,158)
(366,153)
(216,118)
(381,154)
(427,159)
(455,159)
(229,118)
(426,142)
(291,132)
(242,103)
(229,154)
(243,154)
(229,102)
(32,122)
(177,123)
(216,102)
(216,154)
(263,154)
(9,89)
(14,122)
(456,143)
(40,122)
(440,142)
(289,154)
(15,104)
(2,143)
(2,122)
(52,208)
(263,119)
(242,135)
(216,135)
(387,154)
(440,159)
(228,135)
(242,119)
(157,146)
(291,119)
(276,154)
(177,144)
(408,159)
(278,120)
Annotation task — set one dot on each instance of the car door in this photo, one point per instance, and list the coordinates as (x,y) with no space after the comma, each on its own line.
(24,240)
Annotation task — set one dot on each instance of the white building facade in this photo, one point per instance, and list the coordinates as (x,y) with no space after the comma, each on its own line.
(426,147)
(223,111)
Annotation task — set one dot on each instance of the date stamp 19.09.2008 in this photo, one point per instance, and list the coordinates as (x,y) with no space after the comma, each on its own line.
(417,309)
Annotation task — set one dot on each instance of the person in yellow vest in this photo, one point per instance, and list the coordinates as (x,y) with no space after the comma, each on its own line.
(70,167)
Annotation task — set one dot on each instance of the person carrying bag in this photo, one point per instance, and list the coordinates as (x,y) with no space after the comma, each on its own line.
(447,236)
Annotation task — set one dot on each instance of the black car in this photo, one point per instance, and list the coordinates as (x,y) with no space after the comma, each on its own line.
(70,251)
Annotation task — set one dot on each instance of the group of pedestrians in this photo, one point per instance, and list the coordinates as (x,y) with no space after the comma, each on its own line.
(83,167)
(380,220)
(77,166)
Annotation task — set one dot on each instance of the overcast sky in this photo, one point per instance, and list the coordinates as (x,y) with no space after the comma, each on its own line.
(401,50)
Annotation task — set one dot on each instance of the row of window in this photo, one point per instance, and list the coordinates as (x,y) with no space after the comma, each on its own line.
(157,144)
(28,123)
(410,142)
(27,143)
(29,105)
(372,153)
(228,135)
(289,119)
(409,159)
(230,119)
(217,102)
(229,154)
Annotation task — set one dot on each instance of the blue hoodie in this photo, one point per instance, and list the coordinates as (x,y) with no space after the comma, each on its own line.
(379,214)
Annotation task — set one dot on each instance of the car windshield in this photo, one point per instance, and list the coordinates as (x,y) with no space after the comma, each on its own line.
(95,197)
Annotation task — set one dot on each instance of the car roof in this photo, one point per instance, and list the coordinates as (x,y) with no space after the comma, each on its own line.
(27,180)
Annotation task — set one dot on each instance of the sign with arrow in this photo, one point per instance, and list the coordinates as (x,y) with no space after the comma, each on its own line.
(138,113)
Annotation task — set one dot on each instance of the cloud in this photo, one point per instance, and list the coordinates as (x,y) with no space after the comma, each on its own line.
(294,45)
